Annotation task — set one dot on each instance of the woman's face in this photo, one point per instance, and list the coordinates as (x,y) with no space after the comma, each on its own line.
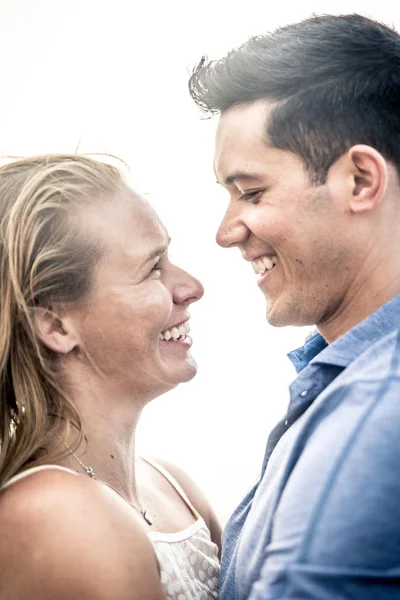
(138,296)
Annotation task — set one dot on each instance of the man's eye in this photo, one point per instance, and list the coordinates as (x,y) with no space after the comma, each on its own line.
(249,196)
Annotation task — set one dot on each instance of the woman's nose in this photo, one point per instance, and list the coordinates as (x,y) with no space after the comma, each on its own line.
(188,290)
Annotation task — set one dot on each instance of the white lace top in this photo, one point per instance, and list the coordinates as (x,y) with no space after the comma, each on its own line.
(188,559)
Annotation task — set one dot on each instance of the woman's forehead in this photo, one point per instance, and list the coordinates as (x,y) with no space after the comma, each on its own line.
(125,225)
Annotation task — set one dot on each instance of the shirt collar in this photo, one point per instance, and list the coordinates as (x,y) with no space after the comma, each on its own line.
(350,345)
(301,357)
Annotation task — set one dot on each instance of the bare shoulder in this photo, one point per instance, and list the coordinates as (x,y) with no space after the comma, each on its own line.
(196,497)
(64,537)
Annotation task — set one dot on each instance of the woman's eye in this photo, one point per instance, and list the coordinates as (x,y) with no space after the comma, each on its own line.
(157,266)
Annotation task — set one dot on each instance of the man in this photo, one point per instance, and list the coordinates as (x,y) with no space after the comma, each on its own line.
(308,147)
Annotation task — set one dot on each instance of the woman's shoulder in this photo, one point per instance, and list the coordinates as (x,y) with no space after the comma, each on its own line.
(27,494)
(47,492)
(64,536)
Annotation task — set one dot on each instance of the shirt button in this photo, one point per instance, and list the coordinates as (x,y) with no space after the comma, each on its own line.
(286,422)
(304,393)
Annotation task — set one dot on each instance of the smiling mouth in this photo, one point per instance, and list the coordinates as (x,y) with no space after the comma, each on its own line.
(175,334)
(263,264)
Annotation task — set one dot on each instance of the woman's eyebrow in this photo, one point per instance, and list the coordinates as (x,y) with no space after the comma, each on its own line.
(158,251)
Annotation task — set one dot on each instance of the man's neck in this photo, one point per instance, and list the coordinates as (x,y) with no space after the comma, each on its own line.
(362,300)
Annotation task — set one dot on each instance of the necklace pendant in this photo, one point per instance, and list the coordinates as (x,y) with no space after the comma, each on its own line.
(147,517)
(89,471)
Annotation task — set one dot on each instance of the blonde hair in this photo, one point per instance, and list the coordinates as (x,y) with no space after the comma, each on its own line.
(44,258)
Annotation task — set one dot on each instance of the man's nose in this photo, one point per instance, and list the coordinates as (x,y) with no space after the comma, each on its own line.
(232,231)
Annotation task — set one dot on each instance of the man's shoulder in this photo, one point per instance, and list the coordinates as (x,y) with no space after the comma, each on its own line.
(340,482)
(376,369)
(381,358)
(347,444)
(350,438)
(361,400)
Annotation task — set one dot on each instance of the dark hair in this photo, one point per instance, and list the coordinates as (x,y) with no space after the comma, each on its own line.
(336,81)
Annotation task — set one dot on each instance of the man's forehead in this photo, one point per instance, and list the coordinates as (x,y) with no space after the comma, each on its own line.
(251,116)
(241,143)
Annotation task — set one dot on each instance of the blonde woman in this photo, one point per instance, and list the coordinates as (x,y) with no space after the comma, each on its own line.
(94,322)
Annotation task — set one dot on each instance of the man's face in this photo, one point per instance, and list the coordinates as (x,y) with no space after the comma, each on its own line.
(296,235)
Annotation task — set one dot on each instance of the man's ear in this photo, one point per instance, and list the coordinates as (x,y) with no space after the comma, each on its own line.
(369,178)
(54,330)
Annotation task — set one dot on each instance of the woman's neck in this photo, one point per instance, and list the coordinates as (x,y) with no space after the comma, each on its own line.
(109,426)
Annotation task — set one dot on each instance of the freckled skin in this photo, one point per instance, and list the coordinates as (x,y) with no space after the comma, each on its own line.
(131,302)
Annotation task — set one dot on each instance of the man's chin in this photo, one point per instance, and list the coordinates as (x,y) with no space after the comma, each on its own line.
(290,318)
(283,316)
(275,317)
(278,322)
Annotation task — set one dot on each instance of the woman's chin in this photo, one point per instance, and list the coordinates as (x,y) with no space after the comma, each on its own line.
(183,372)
(172,376)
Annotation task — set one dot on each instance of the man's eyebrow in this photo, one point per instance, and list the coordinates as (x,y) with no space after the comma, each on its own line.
(239,175)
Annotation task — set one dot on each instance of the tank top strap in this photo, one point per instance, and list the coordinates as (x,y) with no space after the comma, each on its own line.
(174,484)
(33,470)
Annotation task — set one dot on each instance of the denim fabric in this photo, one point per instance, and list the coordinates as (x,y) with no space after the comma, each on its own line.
(323,522)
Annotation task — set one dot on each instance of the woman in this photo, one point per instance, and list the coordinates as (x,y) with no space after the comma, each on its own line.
(93,325)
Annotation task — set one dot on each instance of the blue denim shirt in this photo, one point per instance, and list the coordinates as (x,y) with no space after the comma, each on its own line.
(323,521)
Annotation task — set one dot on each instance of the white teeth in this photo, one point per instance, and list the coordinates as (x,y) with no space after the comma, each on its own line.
(268,264)
(175,332)
(263,264)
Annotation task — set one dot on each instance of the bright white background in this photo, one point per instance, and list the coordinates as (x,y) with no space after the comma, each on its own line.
(111,76)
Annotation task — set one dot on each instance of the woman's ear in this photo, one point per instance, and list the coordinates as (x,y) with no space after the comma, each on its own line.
(370,177)
(54,331)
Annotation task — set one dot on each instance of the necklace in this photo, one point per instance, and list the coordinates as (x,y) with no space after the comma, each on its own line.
(89,471)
